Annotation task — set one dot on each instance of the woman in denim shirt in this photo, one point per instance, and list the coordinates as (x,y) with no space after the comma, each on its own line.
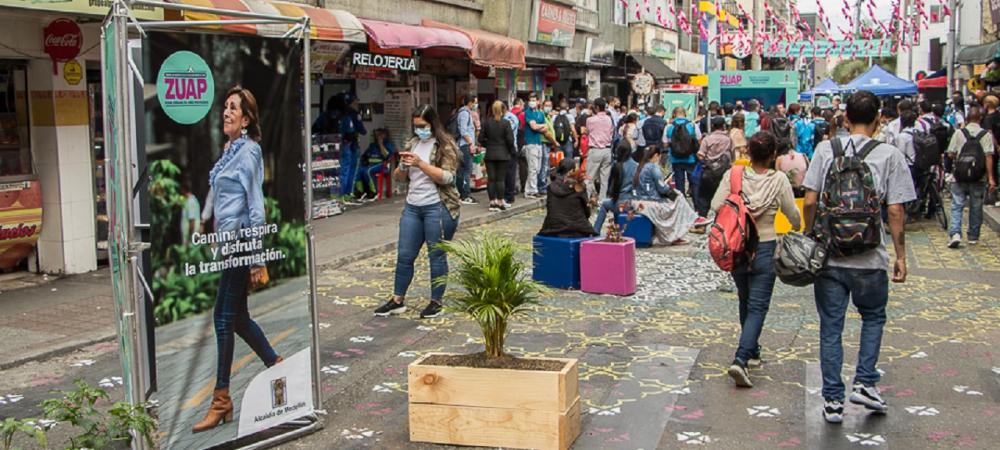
(429,163)
(238,198)
(670,213)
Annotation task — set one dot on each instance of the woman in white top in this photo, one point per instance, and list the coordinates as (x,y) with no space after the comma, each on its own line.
(428,162)
(766,191)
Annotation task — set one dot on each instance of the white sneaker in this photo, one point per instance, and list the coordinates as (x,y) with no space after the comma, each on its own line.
(972,242)
(868,397)
(833,411)
(956,240)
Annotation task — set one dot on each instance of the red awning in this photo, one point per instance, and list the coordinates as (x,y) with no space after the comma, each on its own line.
(398,35)
(489,49)
(930,83)
(324,24)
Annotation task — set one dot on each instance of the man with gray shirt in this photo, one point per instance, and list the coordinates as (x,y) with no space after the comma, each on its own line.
(862,276)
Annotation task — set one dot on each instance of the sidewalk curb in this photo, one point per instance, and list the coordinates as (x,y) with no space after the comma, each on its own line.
(991,214)
(521,207)
(518,209)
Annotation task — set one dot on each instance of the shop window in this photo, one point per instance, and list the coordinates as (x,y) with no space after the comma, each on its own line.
(15,150)
(934,58)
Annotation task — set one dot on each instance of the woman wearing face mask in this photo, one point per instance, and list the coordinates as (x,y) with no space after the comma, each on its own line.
(429,162)
(236,183)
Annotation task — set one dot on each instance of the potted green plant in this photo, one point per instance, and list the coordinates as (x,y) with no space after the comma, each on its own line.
(492,398)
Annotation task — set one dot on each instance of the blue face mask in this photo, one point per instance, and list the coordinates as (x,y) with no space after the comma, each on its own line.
(423,133)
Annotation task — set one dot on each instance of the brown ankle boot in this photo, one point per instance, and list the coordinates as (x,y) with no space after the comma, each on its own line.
(276,362)
(220,412)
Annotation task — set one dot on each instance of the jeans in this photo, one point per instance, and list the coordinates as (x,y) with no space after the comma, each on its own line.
(232,316)
(423,224)
(972,194)
(366,178)
(682,175)
(465,173)
(348,167)
(598,170)
(510,184)
(602,213)
(869,290)
(754,285)
(567,149)
(543,171)
(534,154)
(706,190)
(496,177)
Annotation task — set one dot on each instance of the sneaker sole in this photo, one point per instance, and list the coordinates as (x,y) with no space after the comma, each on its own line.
(740,378)
(396,311)
(833,419)
(859,400)
(429,316)
(755,363)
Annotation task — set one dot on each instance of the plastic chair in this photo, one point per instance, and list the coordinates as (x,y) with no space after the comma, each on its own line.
(383,179)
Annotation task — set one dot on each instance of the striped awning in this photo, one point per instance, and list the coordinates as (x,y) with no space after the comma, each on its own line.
(325,24)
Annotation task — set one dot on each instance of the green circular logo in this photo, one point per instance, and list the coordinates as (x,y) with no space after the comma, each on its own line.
(185,87)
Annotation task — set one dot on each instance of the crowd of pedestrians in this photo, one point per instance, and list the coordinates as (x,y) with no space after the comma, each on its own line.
(679,171)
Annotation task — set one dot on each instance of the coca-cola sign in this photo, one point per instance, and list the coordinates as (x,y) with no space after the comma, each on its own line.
(62,40)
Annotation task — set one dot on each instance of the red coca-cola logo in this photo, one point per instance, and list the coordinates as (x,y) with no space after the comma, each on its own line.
(62,39)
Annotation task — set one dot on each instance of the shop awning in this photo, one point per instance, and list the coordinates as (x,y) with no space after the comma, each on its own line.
(930,83)
(978,54)
(489,49)
(655,66)
(325,24)
(398,35)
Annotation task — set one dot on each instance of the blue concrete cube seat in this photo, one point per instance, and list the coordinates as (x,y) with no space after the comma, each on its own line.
(557,261)
(639,228)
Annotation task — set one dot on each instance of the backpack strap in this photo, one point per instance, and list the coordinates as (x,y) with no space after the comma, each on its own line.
(867,149)
(837,147)
(736,180)
(965,132)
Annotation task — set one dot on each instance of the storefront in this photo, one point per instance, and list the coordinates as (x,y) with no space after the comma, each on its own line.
(51,147)
(767,87)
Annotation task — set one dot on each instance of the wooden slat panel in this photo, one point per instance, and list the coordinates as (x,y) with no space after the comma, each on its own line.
(495,388)
(494,427)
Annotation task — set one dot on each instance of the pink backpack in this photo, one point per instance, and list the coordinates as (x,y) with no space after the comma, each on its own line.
(732,238)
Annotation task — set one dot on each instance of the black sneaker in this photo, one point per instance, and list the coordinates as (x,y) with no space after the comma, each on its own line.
(432,310)
(738,372)
(833,411)
(868,397)
(389,308)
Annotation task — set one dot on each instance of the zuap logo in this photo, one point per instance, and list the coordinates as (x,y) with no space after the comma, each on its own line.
(185,87)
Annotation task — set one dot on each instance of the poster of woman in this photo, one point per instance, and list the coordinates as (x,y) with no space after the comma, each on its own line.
(230,284)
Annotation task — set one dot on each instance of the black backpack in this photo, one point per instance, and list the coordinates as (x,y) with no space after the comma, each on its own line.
(452,127)
(943,133)
(849,217)
(682,143)
(970,166)
(781,128)
(822,131)
(926,149)
(652,130)
(561,128)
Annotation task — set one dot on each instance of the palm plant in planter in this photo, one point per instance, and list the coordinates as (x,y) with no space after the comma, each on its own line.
(496,287)
(492,399)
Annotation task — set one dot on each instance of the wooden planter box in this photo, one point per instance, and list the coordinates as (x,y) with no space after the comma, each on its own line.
(494,407)
(608,267)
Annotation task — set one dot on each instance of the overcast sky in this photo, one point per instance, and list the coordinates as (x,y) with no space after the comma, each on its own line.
(832,9)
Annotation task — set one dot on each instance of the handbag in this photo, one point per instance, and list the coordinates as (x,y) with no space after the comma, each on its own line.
(798,259)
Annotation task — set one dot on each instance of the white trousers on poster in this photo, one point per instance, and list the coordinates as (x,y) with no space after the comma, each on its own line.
(533,153)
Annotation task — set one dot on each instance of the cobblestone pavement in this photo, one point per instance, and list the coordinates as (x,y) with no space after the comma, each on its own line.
(652,365)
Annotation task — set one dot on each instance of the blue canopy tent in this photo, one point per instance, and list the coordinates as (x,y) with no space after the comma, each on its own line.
(825,87)
(881,83)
